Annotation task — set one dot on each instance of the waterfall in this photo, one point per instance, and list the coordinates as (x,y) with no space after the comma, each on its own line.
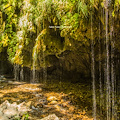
(21,74)
(38,54)
(43,62)
(43,56)
(44,69)
(113,81)
(34,64)
(34,73)
(100,74)
(113,78)
(1,67)
(16,72)
(108,87)
(93,71)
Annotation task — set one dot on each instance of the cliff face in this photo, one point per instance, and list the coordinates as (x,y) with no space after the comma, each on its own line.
(35,39)
(5,66)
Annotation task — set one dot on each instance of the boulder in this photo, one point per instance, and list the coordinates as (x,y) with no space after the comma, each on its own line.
(11,111)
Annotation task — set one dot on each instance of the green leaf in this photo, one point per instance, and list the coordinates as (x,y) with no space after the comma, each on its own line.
(83,7)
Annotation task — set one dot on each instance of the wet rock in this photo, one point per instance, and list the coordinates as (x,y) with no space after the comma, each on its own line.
(51,117)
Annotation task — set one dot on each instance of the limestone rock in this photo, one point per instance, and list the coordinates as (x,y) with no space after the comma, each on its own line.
(4,105)
(4,118)
(10,112)
(53,102)
(22,108)
(51,117)
(51,98)
(29,104)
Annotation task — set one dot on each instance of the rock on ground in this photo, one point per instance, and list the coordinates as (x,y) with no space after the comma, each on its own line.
(10,111)
(51,117)
(2,117)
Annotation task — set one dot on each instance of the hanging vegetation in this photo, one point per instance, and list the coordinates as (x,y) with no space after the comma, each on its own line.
(72,39)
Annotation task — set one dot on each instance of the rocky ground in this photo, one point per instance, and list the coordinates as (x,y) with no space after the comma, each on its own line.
(23,101)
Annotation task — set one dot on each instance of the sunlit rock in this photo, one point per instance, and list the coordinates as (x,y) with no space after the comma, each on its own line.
(29,103)
(51,98)
(53,102)
(11,112)
(51,117)
(22,108)
(2,117)
(4,105)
